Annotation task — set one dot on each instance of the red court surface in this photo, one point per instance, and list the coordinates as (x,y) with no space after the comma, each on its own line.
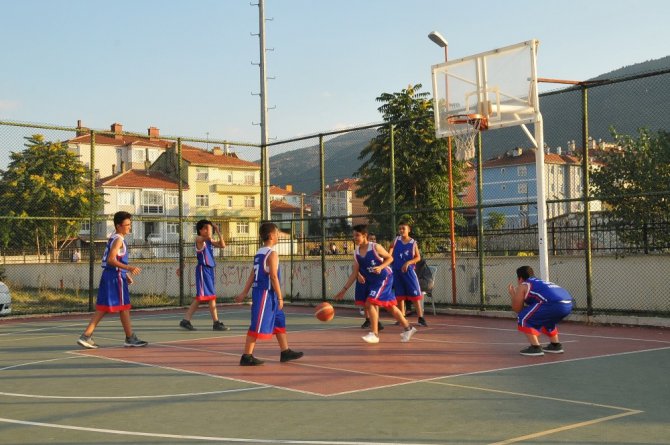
(337,361)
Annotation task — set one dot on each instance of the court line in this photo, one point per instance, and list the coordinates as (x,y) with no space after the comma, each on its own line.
(566,428)
(189,437)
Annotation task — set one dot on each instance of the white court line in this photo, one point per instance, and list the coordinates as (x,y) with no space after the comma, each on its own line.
(203,438)
(566,428)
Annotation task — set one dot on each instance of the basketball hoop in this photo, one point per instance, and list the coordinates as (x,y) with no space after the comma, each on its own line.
(463,129)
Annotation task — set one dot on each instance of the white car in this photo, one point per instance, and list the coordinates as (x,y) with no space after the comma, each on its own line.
(5,300)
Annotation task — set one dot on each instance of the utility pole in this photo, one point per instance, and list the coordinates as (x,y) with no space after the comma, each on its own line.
(265,162)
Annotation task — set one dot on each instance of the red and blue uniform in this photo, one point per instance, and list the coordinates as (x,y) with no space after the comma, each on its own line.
(405,284)
(378,286)
(546,304)
(204,273)
(266,317)
(113,295)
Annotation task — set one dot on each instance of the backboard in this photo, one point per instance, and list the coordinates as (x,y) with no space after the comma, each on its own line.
(500,85)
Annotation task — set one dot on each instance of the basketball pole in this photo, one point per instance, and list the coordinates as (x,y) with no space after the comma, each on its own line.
(440,41)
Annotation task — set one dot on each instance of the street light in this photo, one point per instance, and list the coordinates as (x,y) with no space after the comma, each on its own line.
(440,41)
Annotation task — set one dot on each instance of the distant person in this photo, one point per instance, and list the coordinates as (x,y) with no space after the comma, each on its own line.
(540,305)
(113,295)
(76,256)
(267,303)
(333,249)
(405,252)
(205,289)
(372,262)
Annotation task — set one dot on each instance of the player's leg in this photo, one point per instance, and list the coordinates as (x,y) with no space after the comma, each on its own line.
(217,324)
(131,338)
(186,321)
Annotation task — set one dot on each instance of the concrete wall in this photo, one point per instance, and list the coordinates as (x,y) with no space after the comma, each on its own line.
(629,283)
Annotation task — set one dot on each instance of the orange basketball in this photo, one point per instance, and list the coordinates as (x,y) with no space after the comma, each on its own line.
(324,311)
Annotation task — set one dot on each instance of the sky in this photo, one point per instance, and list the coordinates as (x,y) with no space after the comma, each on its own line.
(188,67)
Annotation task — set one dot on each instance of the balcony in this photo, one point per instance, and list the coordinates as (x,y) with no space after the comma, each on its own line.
(237,188)
(239,212)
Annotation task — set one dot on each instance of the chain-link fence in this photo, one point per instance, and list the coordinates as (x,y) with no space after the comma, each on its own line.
(325,184)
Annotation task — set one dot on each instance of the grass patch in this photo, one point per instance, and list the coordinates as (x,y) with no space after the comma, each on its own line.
(28,301)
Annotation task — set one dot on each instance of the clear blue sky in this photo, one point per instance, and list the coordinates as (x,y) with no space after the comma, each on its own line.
(186,66)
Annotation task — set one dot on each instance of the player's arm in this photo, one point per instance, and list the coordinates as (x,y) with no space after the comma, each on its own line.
(415,259)
(352,277)
(273,268)
(242,295)
(220,242)
(114,262)
(388,259)
(518,295)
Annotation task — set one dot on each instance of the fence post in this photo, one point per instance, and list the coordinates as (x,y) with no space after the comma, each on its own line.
(587,207)
(392,197)
(322,205)
(480,223)
(180,192)
(91,223)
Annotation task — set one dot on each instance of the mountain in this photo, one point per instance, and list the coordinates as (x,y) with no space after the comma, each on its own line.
(626,106)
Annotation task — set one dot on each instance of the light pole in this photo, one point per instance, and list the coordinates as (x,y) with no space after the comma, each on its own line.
(440,41)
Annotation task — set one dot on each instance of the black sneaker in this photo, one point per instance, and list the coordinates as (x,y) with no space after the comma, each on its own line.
(422,322)
(250,360)
(380,326)
(134,342)
(532,350)
(553,348)
(186,324)
(218,326)
(289,355)
(366,324)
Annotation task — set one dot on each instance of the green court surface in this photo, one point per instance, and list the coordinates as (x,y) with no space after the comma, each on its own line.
(460,380)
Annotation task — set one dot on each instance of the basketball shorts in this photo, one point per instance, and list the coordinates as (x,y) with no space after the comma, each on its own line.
(406,285)
(204,283)
(113,295)
(266,317)
(542,317)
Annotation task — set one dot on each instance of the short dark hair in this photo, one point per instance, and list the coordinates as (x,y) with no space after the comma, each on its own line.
(201,224)
(266,229)
(361,228)
(525,272)
(404,223)
(121,216)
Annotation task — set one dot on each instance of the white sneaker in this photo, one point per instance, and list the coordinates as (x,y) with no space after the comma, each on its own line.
(406,335)
(87,342)
(371,338)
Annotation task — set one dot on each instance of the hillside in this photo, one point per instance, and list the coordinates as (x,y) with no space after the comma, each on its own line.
(625,106)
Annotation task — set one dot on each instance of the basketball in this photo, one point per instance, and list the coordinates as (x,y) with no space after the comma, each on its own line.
(324,311)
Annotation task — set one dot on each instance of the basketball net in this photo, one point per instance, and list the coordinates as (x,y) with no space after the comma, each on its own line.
(464,129)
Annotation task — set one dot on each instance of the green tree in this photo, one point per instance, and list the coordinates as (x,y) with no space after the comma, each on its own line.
(43,183)
(496,221)
(421,165)
(634,182)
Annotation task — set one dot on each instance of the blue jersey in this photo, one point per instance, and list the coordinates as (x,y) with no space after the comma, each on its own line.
(205,255)
(122,254)
(402,253)
(370,260)
(266,317)
(262,274)
(378,288)
(546,305)
(546,292)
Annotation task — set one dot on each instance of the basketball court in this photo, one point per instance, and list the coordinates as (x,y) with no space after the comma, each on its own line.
(459,380)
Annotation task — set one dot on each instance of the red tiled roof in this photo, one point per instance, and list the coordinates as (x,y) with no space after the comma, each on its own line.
(528,157)
(102,139)
(283,206)
(140,179)
(343,185)
(275,190)
(202,157)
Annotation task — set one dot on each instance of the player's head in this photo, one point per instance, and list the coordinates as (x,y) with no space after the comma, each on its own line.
(360,233)
(120,217)
(266,230)
(404,227)
(202,224)
(525,272)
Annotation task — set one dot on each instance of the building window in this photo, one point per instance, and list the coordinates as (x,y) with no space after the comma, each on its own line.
(172,199)
(152,202)
(126,197)
(85,227)
(154,153)
(172,228)
(202,174)
(230,202)
(521,170)
(243,228)
(249,202)
(249,178)
(138,155)
(229,177)
(522,188)
(202,200)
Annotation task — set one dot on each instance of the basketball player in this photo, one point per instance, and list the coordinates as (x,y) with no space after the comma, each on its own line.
(405,252)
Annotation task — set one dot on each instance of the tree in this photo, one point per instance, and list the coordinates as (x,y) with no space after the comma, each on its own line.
(43,183)
(635,182)
(496,221)
(421,165)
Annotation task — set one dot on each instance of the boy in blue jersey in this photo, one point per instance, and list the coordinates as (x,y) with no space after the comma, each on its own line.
(540,305)
(372,261)
(267,315)
(205,290)
(405,253)
(113,295)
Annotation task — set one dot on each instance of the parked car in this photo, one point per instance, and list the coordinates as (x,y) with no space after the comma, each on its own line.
(5,299)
